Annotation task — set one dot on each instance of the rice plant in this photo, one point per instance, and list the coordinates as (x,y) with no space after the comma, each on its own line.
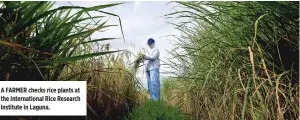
(240,59)
(112,87)
(38,41)
(41,42)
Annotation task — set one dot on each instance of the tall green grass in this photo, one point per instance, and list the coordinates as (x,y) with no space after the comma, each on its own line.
(40,42)
(240,60)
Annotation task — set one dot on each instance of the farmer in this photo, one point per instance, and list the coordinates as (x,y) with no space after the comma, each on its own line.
(152,70)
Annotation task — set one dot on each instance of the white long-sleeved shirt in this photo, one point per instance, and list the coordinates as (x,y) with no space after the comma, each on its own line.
(152,60)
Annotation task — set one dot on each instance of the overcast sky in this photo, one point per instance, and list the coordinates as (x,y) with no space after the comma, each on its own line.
(140,21)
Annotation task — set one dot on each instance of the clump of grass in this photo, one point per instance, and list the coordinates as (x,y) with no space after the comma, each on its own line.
(156,110)
(38,41)
(41,42)
(240,59)
(172,92)
(112,86)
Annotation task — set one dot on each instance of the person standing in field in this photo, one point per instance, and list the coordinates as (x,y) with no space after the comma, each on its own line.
(152,70)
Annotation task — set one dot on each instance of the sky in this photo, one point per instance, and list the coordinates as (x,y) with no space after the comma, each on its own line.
(141,20)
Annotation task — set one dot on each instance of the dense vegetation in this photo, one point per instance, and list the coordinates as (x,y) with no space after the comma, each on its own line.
(41,42)
(239,60)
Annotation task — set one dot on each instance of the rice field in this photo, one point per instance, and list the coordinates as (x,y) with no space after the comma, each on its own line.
(235,60)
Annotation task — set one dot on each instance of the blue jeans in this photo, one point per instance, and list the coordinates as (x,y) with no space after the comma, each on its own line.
(153,83)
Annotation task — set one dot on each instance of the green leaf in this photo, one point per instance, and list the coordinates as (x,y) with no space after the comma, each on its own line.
(95,40)
(32,21)
(75,58)
(76,35)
